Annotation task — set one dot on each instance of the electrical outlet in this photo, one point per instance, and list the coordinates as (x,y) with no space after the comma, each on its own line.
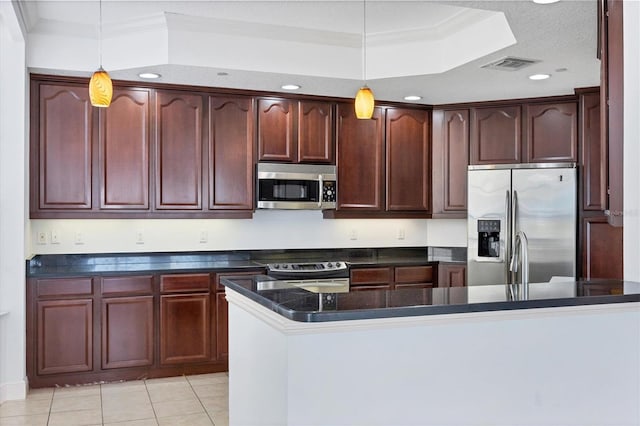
(401,234)
(55,237)
(79,238)
(139,236)
(353,234)
(42,237)
(204,236)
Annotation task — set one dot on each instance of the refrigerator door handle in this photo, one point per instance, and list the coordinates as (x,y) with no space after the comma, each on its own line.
(507,238)
(513,231)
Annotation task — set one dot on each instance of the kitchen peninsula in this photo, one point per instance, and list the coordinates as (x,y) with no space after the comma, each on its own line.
(408,357)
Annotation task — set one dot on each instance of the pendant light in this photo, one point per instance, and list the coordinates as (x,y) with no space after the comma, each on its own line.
(364,98)
(100,87)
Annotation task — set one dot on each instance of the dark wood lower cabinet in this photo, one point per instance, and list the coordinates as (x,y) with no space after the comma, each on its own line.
(127,331)
(452,275)
(125,327)
(222,326)
(185,328)
(391,277)
(64,336)
(602,249)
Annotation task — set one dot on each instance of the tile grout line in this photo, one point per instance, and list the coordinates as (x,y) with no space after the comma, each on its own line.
(155,415)
(51,405)
(101,407)
(200,401)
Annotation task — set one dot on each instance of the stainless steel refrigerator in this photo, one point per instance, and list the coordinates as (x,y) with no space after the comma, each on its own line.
(538,199)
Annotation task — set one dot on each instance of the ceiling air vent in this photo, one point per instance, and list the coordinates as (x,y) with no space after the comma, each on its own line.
(510,63)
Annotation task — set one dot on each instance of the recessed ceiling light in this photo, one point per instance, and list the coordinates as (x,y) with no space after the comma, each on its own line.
(290,86)
(539,76)
(545,1)
(149,75)
(412,98)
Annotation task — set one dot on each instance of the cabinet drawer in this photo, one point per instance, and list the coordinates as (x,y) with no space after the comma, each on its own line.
(220,287)
(414,274)
(370,276)
(184,283)
(413,285)
(114,286)
(64,287)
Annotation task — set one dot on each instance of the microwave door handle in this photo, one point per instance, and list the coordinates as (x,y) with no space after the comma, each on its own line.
(320,195)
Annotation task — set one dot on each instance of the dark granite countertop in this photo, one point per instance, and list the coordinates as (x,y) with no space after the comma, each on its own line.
(301,305)
(61,265)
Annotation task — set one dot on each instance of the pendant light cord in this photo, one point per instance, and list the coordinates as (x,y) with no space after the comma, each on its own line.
(100,34)
(364,41)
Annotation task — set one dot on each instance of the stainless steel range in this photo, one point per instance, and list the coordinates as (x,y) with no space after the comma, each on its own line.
(316,277)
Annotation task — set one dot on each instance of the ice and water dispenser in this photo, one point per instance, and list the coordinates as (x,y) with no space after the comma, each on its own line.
(488,238)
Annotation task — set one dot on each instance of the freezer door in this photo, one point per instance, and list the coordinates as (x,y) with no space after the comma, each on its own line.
(489,194)
(544,207)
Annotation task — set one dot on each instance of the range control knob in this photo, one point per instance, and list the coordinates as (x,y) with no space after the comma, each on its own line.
(338,265)
(329,265)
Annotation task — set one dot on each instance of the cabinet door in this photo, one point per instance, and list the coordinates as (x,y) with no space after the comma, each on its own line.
(408,161)
(127,331)
(360,160)
(612,102)
(450,161)
(64,140)
(496,135)
(178,151)
(64,336)
(315,138)
(230,153)
(124,151)
(601,249)
(185,328)
(451,275)
(222,326)
(276,130)
(592,147)
(552,132)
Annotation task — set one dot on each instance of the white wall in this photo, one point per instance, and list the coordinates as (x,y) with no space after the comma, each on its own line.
(13,214)
(270,229)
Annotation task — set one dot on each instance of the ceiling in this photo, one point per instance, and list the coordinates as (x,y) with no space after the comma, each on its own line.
(433,49)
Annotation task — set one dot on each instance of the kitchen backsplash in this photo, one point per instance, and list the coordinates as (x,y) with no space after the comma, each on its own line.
(267,230)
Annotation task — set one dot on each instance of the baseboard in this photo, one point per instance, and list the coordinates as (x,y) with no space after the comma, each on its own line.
(14,390)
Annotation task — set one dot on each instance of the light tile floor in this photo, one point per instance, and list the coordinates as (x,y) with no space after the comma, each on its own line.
(185,400)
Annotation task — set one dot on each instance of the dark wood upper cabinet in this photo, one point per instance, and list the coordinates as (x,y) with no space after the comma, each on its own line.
(276,130)
(315,132)
(552,132)
(124,142)
(593,153)
(63,145)
(612,102)
(178,150)
(496,134)
(230,151)
(408,160)
(295,131)
(450,160)
(360,160)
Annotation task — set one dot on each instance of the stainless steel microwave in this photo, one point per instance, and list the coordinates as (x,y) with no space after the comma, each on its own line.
(296,186)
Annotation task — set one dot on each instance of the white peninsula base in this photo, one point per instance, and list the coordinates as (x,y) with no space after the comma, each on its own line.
(548,366)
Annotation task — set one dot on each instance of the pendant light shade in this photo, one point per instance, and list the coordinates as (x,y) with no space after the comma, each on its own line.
(100,86)
(100,89)
(364,98)
(364,103)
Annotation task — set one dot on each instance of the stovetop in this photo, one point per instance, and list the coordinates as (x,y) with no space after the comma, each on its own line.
(308,270)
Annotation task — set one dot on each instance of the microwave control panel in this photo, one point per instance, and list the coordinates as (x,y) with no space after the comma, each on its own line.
(329,191)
